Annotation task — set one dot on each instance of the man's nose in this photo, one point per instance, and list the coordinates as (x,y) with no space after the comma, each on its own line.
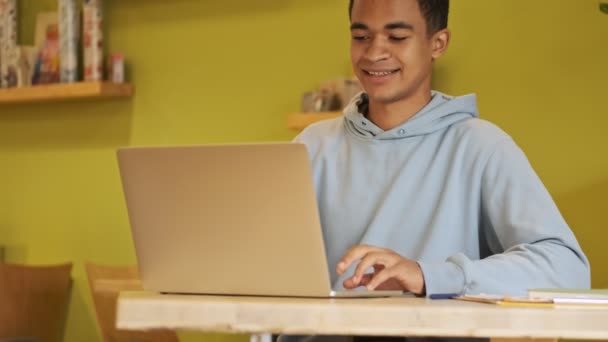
(377,50)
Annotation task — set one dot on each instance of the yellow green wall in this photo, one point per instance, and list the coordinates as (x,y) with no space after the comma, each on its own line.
(230,70)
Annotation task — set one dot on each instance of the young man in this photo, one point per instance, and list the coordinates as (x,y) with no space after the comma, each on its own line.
(413,185)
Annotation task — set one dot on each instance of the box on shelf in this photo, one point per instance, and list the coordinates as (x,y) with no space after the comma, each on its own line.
(69,36)
(93,40)
(8,36)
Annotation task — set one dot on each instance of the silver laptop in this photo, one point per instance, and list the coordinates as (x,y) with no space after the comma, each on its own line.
(227,220)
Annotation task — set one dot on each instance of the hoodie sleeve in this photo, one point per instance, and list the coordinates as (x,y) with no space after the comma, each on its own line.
(530,243)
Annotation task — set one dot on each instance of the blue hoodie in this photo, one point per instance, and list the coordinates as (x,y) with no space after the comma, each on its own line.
(446,189)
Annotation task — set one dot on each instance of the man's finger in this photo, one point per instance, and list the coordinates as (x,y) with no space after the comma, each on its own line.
(366,279)
(351,284)
(378,268)
(368,261)
(353,255)
(381,277)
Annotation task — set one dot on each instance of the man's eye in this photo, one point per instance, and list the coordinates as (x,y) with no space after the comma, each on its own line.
(360,37)
(398,38)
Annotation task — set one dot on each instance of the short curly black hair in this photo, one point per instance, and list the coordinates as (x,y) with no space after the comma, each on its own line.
(435,13)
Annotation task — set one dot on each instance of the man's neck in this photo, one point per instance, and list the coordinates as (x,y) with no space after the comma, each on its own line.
(390,115)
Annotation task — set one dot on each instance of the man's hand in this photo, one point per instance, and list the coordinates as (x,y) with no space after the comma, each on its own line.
(392,272)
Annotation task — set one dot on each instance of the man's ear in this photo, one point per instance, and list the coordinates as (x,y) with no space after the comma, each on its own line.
(440,42)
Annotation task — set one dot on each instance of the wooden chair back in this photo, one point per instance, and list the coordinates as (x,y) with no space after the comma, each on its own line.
(34,301)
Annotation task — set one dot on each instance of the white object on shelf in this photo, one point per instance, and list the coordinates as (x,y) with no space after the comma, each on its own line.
(117,68)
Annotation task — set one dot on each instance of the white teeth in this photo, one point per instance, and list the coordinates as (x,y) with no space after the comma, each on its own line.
(380,73)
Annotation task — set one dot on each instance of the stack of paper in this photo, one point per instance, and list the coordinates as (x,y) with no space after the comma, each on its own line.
(571,296)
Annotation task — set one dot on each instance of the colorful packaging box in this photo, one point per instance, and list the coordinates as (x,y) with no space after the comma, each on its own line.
(69,34)
(93,40)
(8,36)
(2,24)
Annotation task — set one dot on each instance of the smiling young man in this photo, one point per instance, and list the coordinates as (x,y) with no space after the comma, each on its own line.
(413,186)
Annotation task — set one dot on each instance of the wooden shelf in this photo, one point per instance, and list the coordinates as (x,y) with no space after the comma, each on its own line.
(65,92)
(302,120)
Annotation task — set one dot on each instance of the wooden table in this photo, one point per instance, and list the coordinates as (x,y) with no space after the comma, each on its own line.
(361,316)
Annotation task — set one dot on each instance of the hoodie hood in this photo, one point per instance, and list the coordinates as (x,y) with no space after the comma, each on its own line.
(441,112)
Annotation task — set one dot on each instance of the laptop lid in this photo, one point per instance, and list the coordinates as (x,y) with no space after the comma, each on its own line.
(225,219)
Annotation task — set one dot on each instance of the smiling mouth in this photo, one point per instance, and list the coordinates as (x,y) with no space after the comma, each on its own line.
(381,73)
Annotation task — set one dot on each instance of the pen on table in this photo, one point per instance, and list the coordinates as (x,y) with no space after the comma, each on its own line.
(443,295)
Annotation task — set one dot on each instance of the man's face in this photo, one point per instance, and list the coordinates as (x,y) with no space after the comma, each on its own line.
(391,52)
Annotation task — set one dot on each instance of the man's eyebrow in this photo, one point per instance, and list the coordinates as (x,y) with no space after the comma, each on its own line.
(358,26)
(390,26)
(399,25)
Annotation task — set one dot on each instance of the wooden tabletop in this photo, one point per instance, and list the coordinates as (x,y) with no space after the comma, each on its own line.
(360,316)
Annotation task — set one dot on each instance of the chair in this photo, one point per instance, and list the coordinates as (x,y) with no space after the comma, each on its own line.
(34,302)
(105,283)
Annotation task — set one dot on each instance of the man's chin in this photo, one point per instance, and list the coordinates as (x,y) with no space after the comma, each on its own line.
(382,98)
